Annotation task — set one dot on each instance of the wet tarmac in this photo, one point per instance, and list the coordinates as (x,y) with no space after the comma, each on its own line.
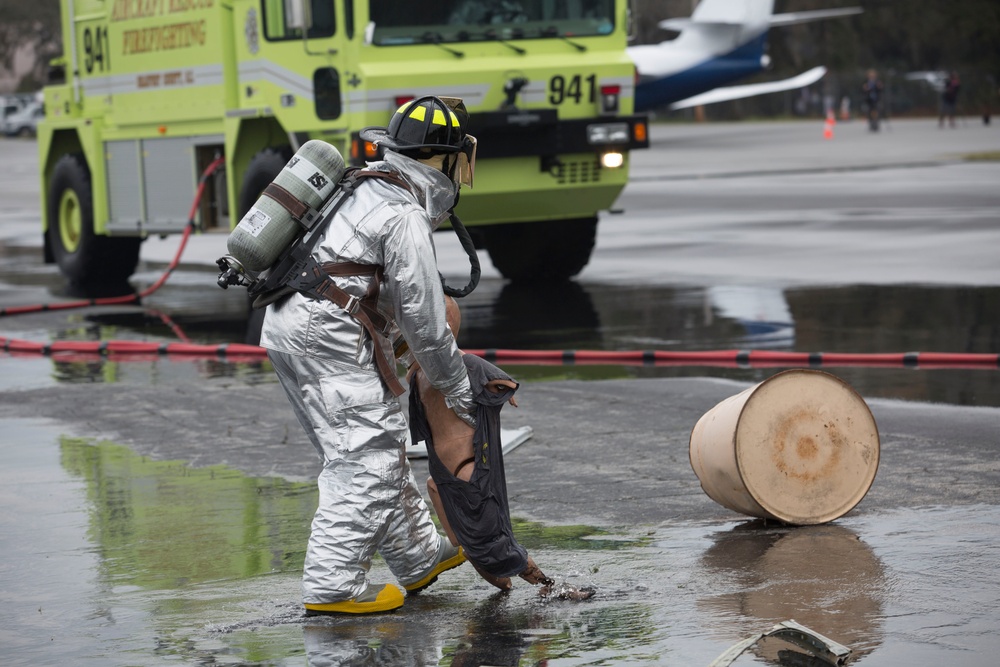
(733,236)
(148,562)
(155,510)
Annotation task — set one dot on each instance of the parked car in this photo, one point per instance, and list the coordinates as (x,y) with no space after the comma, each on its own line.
(9,105)
(24,122)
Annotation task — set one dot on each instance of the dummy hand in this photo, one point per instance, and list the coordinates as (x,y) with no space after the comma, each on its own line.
(534,575)
(498,386)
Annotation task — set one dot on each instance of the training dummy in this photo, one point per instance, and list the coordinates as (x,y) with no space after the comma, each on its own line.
(467,485)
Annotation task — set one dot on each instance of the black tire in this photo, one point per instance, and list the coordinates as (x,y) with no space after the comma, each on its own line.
(88,260)
(263,168)
(552,250)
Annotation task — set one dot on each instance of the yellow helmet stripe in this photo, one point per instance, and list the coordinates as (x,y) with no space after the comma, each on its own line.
(419,113)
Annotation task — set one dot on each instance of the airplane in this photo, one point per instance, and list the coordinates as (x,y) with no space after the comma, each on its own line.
(721,42)
(935,79)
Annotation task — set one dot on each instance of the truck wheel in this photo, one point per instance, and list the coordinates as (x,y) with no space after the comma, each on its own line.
(263,168)
(551,250)
(84,257)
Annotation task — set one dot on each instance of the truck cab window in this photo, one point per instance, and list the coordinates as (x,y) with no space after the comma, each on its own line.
(287,19)
(486,20)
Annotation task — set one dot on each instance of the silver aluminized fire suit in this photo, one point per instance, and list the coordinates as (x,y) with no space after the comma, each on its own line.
(368,499)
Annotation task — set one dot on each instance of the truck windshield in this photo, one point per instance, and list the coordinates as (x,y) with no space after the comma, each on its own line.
(485,20)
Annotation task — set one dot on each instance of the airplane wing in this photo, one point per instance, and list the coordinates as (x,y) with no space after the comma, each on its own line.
(935,79)
(751,89)
(793,18)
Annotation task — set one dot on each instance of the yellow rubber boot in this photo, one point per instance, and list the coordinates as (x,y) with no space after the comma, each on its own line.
(374,600)
(448,557)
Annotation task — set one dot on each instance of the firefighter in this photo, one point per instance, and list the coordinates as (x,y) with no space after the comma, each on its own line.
(327,364)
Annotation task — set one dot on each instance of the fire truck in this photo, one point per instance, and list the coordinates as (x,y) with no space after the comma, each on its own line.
(148,93)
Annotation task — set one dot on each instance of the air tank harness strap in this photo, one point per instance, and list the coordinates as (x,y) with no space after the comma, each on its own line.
(306,215)
(363,309)
(299,271)
(298,209)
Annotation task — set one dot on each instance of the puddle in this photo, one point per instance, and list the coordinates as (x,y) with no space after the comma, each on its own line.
(824,577)
(115,559)
(854,318)
(109,557)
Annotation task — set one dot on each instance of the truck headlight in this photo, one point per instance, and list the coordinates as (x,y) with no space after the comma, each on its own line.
(612,160)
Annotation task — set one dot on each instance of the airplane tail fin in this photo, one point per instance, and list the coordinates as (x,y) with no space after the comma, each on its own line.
(751,13)
(740,19)
(733,11)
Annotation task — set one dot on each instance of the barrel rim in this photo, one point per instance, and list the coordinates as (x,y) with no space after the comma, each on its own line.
(784,515)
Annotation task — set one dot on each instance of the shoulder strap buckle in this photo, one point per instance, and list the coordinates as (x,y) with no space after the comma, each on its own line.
(352,305)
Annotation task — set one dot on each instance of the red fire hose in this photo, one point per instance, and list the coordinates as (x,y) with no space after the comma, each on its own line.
(126,350)
(130,298)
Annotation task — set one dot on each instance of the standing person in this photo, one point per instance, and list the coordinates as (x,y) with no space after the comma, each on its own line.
(468,486)
(378,247)
(871,90)
(949,98)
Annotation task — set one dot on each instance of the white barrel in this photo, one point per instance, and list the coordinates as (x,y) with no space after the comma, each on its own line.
(801,447)
(267,229)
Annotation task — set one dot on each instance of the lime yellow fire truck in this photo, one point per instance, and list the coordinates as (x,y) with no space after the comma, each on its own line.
(150,92)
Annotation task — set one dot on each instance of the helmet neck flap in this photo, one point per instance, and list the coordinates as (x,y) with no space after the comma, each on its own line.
(424,129)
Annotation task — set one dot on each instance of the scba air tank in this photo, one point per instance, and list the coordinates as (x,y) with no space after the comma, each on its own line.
(268,228)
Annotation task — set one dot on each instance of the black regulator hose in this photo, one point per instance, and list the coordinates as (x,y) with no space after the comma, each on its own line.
(470,249)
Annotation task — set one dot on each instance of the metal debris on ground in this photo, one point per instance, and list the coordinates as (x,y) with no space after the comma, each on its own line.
(821,647)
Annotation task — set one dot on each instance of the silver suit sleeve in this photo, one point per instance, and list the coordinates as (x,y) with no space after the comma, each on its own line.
(418,305)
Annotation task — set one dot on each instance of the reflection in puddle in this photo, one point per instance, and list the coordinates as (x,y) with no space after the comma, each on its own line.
(858,318)
(497,629)
(762,312)
(824,577)
(489,633)
(164,524)
(580,316)
(158,371)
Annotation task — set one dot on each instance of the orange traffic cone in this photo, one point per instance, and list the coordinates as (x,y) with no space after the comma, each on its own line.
(828,125)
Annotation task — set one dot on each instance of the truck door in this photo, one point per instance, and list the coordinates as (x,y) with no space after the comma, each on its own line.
(290,73)
(300,65)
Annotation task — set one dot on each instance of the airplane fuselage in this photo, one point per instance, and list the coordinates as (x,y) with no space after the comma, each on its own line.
(722,41)
(663,81)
